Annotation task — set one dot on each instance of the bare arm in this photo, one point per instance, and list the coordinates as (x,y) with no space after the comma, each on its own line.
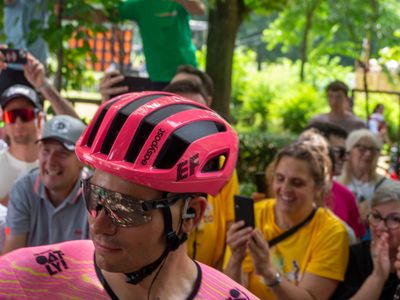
(193,7)
(237,239)
(310,287)
(35,74)
(13,242)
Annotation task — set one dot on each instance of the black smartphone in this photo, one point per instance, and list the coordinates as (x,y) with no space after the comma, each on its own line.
(244,210)
(14,56)
(134,84)
(261,182)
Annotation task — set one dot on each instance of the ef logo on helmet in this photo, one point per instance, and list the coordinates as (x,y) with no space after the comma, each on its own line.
(187,167)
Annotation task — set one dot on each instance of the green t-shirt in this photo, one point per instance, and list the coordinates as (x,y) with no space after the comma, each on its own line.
(166,35)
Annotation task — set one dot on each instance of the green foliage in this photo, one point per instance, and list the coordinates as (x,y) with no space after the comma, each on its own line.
(252,95)
(273,98)
(2,37)
(271,107)
(301,103)
(391,112)
(76,24)
(77,21)
(337,27)
(257,149)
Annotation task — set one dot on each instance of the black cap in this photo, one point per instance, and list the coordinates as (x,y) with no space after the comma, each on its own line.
(20,91)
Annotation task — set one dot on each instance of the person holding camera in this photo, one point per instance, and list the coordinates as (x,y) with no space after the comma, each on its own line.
(19,15)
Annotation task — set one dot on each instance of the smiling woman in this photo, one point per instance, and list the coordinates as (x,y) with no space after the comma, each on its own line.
(372,264)
(307,263)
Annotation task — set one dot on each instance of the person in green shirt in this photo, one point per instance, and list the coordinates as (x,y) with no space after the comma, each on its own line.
(166,35)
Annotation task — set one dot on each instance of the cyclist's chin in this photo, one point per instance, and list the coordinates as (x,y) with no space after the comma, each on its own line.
(110,263)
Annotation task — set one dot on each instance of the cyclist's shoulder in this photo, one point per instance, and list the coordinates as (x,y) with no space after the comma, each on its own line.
(213,282)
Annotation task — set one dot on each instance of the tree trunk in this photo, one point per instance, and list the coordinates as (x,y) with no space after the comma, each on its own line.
(304,42)
(60,50)
(225,18)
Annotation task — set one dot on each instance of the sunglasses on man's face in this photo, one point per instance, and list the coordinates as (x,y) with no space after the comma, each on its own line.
(25,115)
(338,152)
(123,210)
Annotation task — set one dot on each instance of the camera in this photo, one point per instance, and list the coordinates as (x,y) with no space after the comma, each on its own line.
(14,56)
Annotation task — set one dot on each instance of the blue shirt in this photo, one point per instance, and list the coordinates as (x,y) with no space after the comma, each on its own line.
(31,212)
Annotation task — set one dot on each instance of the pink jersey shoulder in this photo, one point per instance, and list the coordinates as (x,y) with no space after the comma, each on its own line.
(59,271)
(216,285)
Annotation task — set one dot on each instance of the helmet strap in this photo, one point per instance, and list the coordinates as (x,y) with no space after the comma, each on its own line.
(173,241)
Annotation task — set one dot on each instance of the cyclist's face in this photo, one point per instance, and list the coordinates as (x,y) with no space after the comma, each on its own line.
(128,249)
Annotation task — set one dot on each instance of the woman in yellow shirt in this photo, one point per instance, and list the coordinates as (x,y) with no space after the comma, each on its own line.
(307,264)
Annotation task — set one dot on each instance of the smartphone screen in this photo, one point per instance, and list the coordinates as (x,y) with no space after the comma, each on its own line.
(244,210)
(261,182)
(14,56)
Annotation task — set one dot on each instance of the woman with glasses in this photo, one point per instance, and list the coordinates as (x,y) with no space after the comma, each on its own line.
(359,171)
(371,270)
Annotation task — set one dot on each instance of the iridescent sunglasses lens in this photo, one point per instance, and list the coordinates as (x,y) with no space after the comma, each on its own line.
(122,210)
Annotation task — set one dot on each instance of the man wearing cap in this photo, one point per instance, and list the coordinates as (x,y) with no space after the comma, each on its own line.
(46,205)
(23,118)
(22,124)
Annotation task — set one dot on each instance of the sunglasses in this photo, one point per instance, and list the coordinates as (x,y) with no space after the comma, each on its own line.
(25,114)
(123,210)
(339,152)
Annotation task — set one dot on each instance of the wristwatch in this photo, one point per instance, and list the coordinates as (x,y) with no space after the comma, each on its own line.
(277,280)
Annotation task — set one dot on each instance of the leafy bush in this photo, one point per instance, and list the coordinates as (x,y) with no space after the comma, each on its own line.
(301,103)
(257,149)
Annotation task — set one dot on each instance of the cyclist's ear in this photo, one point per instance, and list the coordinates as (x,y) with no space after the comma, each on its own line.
(195,211)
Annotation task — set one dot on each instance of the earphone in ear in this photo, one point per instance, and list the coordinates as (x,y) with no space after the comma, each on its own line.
(190,213)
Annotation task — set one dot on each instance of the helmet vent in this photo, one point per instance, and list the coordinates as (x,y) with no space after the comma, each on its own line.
(147,125)
(181,139)
(120,119)
(215,164)
(98,122)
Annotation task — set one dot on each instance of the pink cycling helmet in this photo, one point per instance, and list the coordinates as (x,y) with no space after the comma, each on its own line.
(162,141)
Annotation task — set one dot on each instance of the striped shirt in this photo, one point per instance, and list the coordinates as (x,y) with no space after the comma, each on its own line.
(67,271)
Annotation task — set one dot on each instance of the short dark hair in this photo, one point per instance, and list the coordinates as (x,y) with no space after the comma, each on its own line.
(205,79)
(328,129)
(186,86)
(338,85)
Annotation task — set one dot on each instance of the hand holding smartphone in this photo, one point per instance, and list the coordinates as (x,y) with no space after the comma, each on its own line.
(14,56)
(244,210)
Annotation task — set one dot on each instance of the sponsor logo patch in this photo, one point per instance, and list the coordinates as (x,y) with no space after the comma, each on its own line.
(52,260)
